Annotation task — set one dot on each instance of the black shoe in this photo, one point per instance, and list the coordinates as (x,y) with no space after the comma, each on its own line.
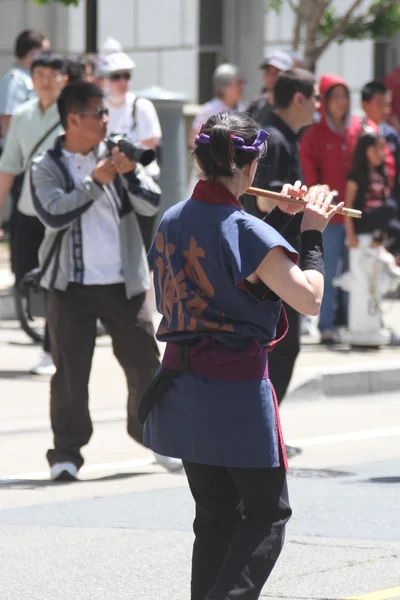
(292,451)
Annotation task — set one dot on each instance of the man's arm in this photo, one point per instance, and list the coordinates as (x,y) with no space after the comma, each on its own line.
(6,181)
(143,191)
(55,207)
(5,122)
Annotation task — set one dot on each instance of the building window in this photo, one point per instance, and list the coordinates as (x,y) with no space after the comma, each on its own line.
(386,56)
(210,45)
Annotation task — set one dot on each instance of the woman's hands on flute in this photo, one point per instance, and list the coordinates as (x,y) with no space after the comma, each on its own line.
(298,191)
(317,211)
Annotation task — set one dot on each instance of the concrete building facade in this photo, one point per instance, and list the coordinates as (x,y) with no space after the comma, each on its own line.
(176,44)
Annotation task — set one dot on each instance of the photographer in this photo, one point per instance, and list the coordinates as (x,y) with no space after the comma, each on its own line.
(129,115)
(100,270)
(133,116)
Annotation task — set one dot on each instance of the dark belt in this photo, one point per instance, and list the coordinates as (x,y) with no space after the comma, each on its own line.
(204,359)
(160,384)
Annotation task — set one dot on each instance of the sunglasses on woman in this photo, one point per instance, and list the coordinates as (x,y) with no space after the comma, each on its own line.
(118,76)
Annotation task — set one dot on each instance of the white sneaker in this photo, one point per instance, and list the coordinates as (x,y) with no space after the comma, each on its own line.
(45,366)
(173,465)
(64,471)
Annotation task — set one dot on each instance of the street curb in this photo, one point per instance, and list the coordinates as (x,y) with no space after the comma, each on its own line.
(7,305)
(349,383)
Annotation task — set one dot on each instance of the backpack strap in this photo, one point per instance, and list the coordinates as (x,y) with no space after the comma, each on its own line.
(134,112)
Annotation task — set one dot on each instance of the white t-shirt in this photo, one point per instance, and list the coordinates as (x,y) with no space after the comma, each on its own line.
(100,238)
(145,125)
(213,107)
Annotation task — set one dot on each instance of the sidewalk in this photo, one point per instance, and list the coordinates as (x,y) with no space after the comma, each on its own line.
(6,278)
(319,371)
(341,371)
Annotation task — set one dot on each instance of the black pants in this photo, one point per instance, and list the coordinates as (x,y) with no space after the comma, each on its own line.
(27,236)
(72,317)
(282,359)
(239,529)
(15,193)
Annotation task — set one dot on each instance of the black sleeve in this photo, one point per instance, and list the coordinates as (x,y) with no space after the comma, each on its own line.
(352,176)
(278,219)
(274,168)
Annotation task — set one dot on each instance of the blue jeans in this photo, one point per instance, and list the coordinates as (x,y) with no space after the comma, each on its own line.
(336,259)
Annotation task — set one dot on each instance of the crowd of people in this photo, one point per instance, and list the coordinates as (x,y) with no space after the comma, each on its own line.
(228,282)
(331,141)
(313,138)
(85,212)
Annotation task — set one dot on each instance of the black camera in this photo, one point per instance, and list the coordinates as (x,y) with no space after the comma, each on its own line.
(139,154)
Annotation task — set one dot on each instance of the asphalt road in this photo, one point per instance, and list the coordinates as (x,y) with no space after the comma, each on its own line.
(124,531)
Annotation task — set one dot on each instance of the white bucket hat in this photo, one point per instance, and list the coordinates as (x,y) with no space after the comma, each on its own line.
(112,58)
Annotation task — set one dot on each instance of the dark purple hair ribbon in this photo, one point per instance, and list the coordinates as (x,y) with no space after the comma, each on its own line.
(238,142)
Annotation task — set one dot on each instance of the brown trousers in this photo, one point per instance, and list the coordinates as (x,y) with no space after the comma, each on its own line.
(72,318)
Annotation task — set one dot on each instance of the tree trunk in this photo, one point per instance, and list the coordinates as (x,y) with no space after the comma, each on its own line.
(315,12)
(315,50)
(300,16)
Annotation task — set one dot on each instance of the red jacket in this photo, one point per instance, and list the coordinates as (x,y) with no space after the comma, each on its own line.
(325,154)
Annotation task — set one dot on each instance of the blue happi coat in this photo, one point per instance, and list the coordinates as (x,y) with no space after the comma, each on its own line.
(204,250)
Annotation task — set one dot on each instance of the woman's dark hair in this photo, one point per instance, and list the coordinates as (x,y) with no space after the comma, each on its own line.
(74,98)
(49,60)
(28,40)
(75,69)
(359,171)
(218,157)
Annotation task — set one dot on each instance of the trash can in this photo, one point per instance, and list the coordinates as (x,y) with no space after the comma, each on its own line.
(172,157)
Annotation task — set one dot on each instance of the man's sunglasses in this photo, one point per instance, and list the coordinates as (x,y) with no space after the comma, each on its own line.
(99,114)
(118,76)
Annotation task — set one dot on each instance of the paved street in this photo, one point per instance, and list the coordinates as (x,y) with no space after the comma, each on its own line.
(124,531)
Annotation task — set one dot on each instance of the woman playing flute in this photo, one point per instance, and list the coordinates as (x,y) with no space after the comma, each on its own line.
(220,275)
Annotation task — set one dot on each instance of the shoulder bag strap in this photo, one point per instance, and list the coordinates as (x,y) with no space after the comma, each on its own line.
(54,247)
(40,142)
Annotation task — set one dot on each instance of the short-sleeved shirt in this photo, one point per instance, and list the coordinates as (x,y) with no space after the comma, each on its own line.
(28,125)
(16,87)
(138,121)
(201,256)
(369,198)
